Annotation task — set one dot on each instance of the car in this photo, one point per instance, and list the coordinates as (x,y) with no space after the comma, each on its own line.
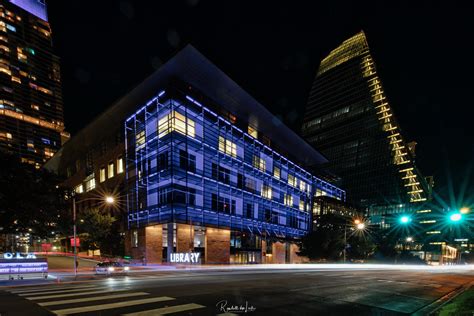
(110,267)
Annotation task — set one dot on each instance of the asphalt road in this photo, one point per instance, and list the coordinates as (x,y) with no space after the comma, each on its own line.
(257,291)
(61,262)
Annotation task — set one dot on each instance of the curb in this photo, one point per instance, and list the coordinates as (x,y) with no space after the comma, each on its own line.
(443,300)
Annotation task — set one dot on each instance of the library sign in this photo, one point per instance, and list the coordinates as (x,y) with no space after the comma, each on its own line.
(185,257)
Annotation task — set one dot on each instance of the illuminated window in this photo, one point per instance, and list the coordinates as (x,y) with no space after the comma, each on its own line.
(110,173)
(5,136)
(102,174)
(302,185)
(135,238)
(302,205)
(276,172)
(228,147)
(292,180)
(44,90)
(266,191)
(119,165)
(16,79)
(259,163)
(252,132)
(5,68)
(90,183)
(176,121)
(11,28)
(35,107)
(48,152)
(140,138)
(30,145)
(320,192)
(21,56)
(428,221)
(288,200)
(79,189)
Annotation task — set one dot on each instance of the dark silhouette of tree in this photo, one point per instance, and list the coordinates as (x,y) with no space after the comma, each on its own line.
(326,241)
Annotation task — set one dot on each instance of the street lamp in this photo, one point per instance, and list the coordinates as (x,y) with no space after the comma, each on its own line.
(359,226)
(409,239)
(108,199)
(464,210)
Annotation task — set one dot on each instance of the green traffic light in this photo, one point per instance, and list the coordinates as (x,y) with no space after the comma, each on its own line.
(405,219)
(455,217)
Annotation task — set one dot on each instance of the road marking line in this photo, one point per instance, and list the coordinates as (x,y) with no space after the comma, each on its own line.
(93,308)
(90,299)
(65,291)
(167,310)
(70,294)
(49,289)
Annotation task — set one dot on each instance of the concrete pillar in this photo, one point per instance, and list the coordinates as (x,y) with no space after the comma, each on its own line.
(266,258)
(279,252)
(128,243)
(294,258)
(154,244)
(217,246)
(184,238)
(170,240)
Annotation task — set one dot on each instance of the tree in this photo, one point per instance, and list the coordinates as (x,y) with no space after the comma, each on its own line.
(361,246)
(31,202)
(96,228)
(326,242)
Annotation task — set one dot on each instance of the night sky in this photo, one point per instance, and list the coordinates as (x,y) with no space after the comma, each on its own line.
(423,52)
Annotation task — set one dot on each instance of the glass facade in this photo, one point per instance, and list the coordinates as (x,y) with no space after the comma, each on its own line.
(31,107)
(187,164)
(349,119)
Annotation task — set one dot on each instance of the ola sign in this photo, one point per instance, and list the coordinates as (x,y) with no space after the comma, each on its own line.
(9,255)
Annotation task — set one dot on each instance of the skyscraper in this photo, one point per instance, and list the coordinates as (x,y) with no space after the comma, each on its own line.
(349,119)
(31,107)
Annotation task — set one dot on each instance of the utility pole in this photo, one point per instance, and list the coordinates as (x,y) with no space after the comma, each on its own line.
(74,233)
(345,242)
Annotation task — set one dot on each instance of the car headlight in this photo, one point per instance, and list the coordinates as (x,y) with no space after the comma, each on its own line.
(126,268)
(111,269)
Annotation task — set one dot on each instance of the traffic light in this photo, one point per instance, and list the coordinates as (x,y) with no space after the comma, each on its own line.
(405,219)
(455,217)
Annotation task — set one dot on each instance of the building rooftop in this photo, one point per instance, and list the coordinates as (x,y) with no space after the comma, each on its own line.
(191,67)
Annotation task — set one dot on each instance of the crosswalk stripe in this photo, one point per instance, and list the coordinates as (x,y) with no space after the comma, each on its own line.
(63,291)
(166,310)
(93,308)
(32,290)
(91,299)
(70,294)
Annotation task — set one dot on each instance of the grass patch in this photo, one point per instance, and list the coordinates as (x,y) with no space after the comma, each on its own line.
(463,304)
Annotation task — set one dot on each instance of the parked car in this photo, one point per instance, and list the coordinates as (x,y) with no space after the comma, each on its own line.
(111,267)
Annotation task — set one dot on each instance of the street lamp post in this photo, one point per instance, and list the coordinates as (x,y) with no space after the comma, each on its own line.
(108,199)
(359,226)
(74,233)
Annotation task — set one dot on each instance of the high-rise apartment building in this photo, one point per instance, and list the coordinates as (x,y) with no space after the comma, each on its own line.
(31,107)
(348,118)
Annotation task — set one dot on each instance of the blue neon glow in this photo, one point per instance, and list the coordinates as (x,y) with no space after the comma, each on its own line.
(155,213)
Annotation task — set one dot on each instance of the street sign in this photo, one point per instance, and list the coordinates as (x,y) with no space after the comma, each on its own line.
(185,257)
(78,242)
